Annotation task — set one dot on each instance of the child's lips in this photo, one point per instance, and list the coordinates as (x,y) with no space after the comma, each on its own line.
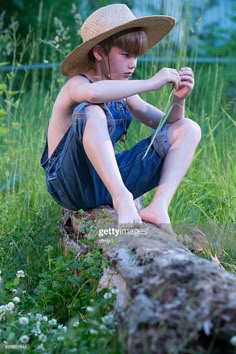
(128,73)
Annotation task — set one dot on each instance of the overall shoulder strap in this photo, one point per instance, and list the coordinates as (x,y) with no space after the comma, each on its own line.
(86,77)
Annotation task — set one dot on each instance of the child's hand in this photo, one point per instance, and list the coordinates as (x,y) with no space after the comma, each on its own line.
(165,76)
(186,83)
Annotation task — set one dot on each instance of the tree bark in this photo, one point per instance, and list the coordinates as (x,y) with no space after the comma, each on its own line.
(169,300)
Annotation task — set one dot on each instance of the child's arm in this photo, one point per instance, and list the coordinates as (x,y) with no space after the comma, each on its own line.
(144,112)
(80,89)
(180,93)
(150,115)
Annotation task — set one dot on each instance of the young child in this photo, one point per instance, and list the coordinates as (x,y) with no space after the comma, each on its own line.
(93,111)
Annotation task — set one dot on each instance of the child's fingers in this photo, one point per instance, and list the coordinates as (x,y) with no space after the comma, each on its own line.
(188,78)
(175,78)
(186,84)
(186,69)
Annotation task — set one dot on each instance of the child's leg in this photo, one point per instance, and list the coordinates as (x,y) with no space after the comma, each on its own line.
(184,136)
(99,149)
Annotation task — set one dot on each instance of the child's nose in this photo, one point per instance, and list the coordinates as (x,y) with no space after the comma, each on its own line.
(132,63)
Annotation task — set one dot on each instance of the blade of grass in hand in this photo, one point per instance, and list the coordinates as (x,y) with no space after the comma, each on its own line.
(161,123)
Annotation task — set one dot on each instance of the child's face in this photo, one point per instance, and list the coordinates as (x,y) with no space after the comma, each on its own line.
(120,65)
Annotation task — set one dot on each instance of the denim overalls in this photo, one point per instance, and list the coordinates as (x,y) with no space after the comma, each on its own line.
(71,178)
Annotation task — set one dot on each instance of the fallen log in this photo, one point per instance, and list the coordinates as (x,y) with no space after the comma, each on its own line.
(169,300)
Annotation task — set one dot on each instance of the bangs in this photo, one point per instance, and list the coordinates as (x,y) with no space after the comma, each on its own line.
(134,42)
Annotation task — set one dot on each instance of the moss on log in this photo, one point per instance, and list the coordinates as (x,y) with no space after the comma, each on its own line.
(169,300)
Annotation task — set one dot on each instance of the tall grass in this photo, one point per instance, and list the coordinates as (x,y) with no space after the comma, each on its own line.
(206,198)
(207,193)
(28,232)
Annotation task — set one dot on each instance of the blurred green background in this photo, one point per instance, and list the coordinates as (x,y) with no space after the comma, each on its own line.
(34,38)
(210,32)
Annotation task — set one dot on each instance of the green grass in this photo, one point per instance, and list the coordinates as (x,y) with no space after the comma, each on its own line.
(28,230)
(207,193)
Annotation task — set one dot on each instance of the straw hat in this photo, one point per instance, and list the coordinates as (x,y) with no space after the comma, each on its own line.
(107,21)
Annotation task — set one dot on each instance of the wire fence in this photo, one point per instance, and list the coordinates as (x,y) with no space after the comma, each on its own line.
(207,60)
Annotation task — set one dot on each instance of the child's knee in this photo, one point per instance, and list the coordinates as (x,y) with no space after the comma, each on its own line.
(95,113)
(184,128)
(87,117)
(193,129)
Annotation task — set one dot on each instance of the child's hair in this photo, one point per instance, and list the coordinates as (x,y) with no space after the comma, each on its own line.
(132,41)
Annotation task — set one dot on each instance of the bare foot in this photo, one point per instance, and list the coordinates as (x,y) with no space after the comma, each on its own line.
(126,210)
(160,219)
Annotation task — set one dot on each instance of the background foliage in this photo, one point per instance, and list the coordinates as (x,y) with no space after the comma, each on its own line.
(43,32)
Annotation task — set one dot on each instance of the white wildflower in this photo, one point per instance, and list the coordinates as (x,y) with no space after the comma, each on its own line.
(76,324)
(114,291)
(23,321)
(20,274)
(43,338)
(38,324)
(93,331)
(107,295)
(13,291)
(38,317)
(36,331)
(52,322)
(10,306)
(103,328)
(63,328)
(89,309)
(108,319)
(24,339)
(45,318)
(16,299)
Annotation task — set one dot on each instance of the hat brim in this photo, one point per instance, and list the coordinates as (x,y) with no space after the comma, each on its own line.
(155,27)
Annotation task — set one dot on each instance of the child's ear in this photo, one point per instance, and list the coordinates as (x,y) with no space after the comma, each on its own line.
(98,53)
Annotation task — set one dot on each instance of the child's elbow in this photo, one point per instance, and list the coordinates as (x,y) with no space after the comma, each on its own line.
(93,95)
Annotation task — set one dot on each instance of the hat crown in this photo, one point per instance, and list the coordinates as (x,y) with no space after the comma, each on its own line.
(105,19)
(108,21)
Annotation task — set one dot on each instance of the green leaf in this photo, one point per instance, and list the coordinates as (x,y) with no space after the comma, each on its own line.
(2,112)
(16,282)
